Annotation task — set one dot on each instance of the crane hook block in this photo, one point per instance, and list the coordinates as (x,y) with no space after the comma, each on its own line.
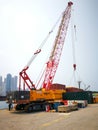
(70,3)
(37,51)
(74,66)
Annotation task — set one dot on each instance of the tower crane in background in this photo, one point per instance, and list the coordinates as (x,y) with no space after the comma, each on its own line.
(35,99)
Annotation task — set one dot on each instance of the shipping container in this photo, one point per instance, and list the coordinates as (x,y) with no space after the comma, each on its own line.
(57,86)
(18,95)
(84,95)
(73,89)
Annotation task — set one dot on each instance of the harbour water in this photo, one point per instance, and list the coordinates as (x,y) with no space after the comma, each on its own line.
(3,105)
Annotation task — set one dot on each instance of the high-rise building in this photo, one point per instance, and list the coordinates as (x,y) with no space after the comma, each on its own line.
(0,85)
(0,81)
(8,82)
(3,89)
(14,83)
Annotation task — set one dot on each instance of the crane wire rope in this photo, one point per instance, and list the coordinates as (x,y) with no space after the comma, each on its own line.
(46,38)
(73,39)
(73,34)
(42,44)
(74,78)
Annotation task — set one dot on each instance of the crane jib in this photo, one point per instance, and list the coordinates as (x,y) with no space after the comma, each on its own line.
(54,58)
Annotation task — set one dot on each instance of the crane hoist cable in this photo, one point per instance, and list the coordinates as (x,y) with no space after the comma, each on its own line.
(43,43)
(73,36)
(75,76)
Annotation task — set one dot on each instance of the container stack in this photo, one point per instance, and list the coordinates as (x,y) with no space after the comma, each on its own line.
(18,95)
(84,95)
(22,95)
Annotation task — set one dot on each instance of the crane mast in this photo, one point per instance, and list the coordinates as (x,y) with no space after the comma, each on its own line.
(54,58)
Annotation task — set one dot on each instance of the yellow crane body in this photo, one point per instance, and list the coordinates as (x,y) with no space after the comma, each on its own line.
(38,95)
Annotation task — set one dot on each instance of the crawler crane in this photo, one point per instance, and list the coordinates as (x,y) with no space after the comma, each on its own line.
(38,99)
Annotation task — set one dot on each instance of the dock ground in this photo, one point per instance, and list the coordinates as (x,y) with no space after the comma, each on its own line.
(82,119)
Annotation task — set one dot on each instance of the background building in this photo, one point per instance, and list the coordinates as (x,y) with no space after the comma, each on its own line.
(0,80)
(9,84)
(14,83)
(2,87)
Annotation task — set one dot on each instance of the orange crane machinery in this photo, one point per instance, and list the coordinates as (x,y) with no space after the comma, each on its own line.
(45,95)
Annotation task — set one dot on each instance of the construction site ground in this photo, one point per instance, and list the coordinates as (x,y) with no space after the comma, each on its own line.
(82,119)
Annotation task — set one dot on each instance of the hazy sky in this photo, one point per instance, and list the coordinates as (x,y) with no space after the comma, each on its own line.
(25,23)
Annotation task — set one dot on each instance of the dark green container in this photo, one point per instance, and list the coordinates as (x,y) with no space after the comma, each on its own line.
(84,95)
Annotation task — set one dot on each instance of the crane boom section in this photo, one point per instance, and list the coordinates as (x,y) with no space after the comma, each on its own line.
(54,58)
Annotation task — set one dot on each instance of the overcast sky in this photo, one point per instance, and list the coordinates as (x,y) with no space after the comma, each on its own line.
(25,23)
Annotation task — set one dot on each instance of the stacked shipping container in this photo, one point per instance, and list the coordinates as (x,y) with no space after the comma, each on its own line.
(84,95)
